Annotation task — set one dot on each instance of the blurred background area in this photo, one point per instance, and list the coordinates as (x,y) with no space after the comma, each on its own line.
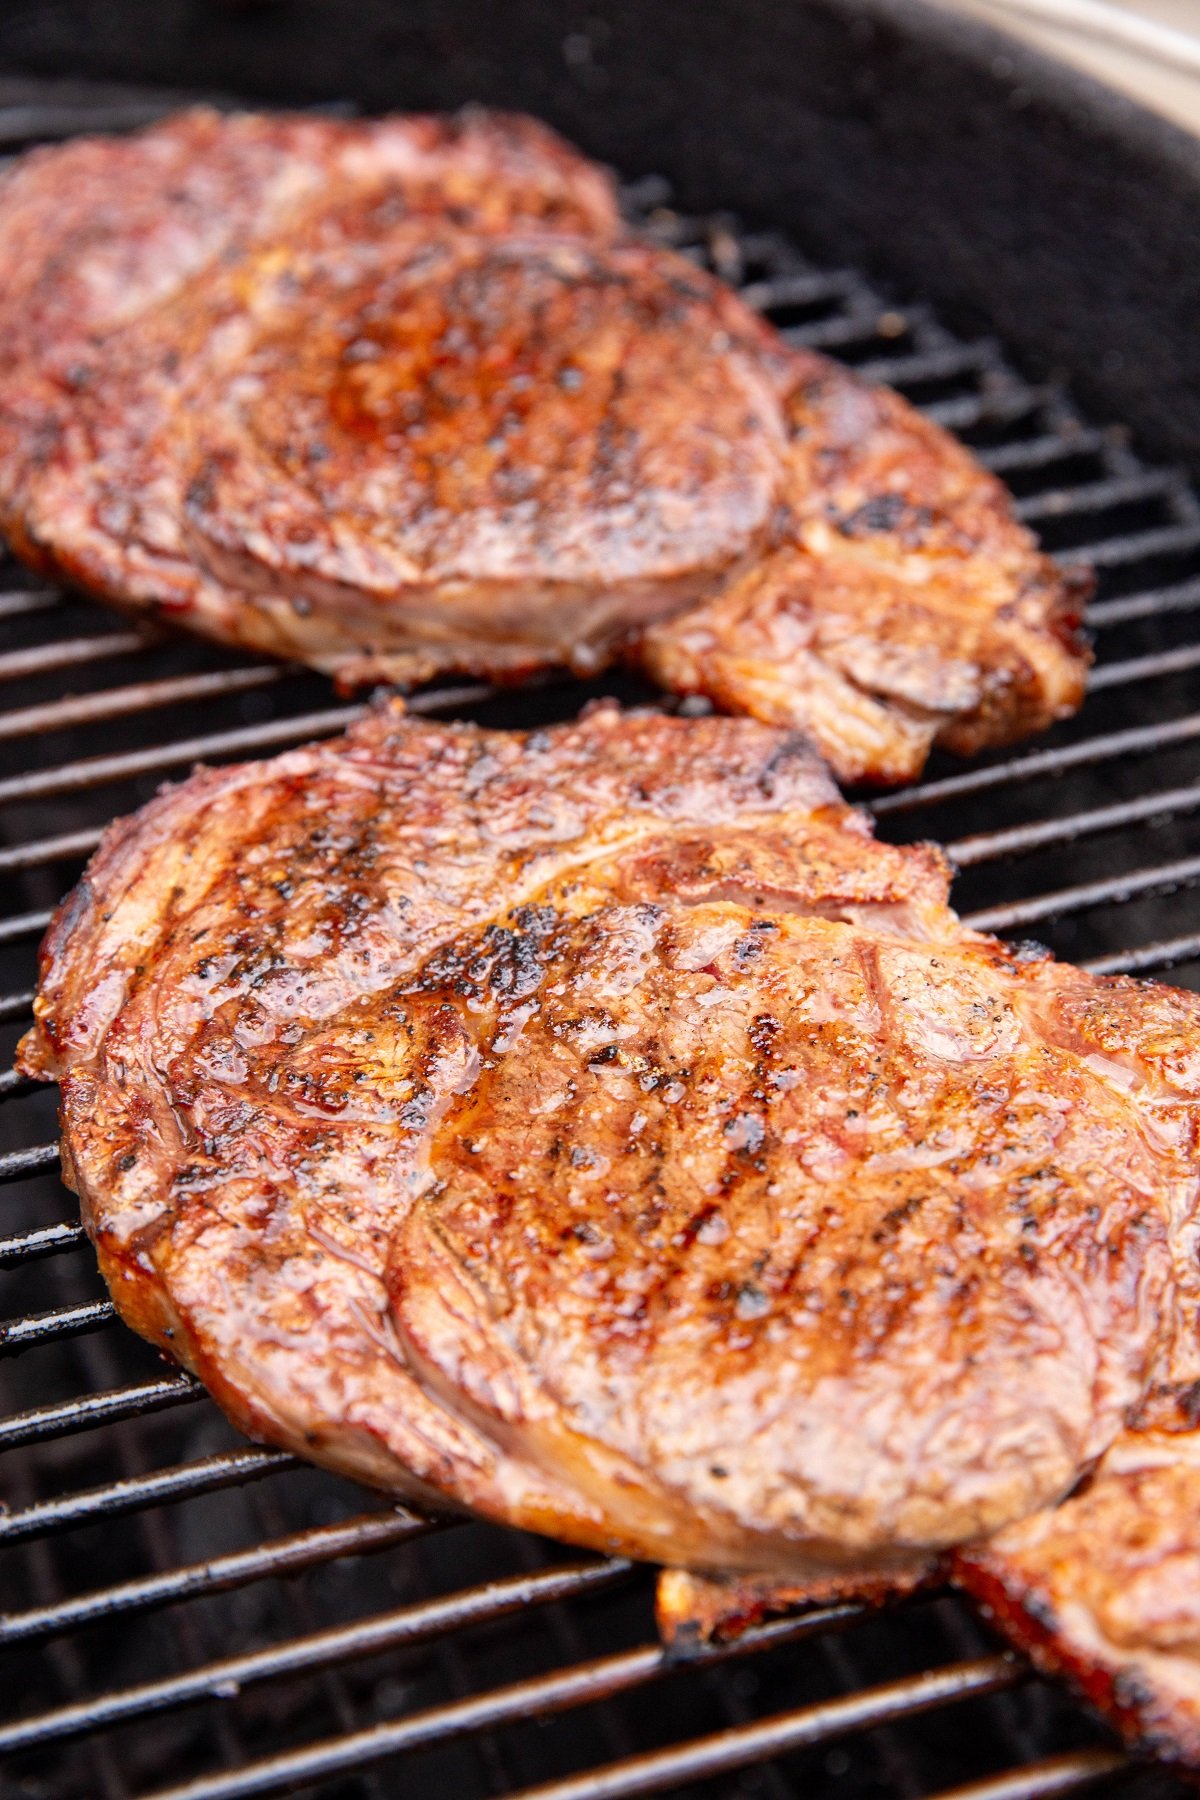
(1148,48)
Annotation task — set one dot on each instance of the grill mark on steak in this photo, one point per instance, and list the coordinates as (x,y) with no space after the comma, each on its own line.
(401,398)
(598,1129)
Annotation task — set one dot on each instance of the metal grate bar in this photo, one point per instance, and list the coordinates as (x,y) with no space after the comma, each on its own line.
(1044,1780)
(1096,496)
(123,766)
(29,600)
(1165,955)
(139,696)
(1116,889)
(94,771)
(985,409)
(809,289)
(66,847)
(1139,546)
(17,1164)
(20,124)
(1040,452)
(214,1472)
(1147,603)
(321,1650)
(41,1422)
(704,1758)
(929,365)
(44,1328)
(69,653)
(831,334)
(29,924)
(1019,840)
(363,1535)
(1020,770)
(46,1240)
(1144,668)
(581,1685)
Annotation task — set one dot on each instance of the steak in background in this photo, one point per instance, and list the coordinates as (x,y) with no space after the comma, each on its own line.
(402,398)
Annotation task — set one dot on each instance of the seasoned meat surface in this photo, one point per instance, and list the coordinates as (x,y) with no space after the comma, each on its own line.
(598,1129)
(400,398)
(1105,1589)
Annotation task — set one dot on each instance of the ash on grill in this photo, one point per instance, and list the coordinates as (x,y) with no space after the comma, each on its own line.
(186,1615)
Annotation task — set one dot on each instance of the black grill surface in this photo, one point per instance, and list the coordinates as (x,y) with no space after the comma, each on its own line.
(185,1615)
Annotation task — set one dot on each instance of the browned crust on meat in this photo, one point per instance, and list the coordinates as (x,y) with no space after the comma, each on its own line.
(694,1610)
(596,1127)
(1105,1590)
(906,606)
(397,399)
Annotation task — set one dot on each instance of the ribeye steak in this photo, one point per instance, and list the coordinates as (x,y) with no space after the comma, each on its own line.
(400,398)
(597,1128)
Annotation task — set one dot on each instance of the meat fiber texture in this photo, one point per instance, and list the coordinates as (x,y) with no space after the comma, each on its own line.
(598,1129)
(400,398)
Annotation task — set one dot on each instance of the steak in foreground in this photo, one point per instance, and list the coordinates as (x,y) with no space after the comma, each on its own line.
(402,397)
(596,1128)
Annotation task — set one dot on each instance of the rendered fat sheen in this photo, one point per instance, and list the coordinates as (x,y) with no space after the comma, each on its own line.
(596,1128)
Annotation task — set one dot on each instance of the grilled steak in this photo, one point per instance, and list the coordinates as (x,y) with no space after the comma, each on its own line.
(400,398)
(598,1129)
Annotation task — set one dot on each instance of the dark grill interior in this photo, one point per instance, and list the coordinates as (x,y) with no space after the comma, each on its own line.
(185,1615)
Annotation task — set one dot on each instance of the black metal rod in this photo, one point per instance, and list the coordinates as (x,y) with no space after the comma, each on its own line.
(836,333)
(206,1477)
(1164,955)
(582,1685)
(800,289)
(142,696)
(35,1329)
(1020,840)
(17,1164)
(1097,496)
(1038,765)
(1144,668)
(940,364)
(1115,890)
(64,1416)
(28,924)
(123,766)
(66,846)
(319,1650)
(986,408)
(1139,546)
(25,124)
(362,1535)
(703,1758)
(95,770)
(1146,603)
(17,601)
(69,653)
(1039,452)
(43,1240)
(1067,1774)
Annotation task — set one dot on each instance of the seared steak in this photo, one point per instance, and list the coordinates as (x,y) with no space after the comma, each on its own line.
(400,398)
(598,1129)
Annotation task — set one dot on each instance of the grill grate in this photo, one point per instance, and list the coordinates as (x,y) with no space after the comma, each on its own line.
(212,1620)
